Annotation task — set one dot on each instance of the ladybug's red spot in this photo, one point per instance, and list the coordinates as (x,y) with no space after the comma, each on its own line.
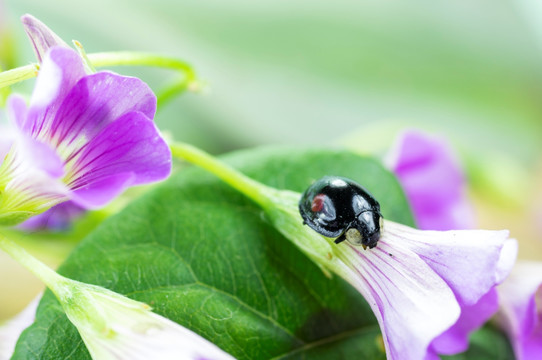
(318,203)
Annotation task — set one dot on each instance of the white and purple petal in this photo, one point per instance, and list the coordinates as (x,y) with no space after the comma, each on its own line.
(93,103)
(57,218)
(61,69)
(458,254)
(406,295)
(520,313)
(32,152)
(129,151)
(41,36)
(83,137)
(30,172)
(434,184)
(417,281)
(473,316)
(456,339)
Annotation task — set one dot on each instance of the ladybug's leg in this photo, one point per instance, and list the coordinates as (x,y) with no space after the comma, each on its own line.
(340,239)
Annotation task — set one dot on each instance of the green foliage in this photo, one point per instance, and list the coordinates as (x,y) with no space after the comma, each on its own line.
(204,256)
(470,71)
(486,344)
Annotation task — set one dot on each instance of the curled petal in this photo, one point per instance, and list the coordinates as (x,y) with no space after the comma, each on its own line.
(41,36)
(507,259)
(520,313)
(60,71)
(418,282)
(458,254)
(456,338)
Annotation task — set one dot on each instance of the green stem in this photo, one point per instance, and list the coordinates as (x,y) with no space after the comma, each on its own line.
(4,92)
(187,74)
(42,271)
(279,205)
(16,75)
(254,190)
(185,80)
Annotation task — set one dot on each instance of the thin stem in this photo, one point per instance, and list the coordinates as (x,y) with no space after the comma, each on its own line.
(42,271)
(186,78)
(187,74)
(4,92)
(259,193)
(19,74)
(81,51)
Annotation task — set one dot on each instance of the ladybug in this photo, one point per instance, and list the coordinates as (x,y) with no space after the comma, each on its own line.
(340,208)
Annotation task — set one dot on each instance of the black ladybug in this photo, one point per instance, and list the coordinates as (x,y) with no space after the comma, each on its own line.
(339,207)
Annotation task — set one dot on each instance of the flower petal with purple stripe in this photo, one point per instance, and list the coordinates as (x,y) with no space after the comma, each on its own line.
(83,137)
(118,157)
(40,35)
(94,102)
(60,71)
(57,218)
(418,281)
(434,184)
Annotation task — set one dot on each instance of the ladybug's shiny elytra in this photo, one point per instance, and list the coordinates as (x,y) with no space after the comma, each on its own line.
(340,208)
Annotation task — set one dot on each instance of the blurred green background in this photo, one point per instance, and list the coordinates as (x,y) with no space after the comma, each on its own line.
(344,73)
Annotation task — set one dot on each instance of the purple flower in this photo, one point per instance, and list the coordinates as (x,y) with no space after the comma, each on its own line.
(41,36)
(57,218)
(433,182)
(435,188)
(116,327)
(83,138)
(473,316)
(416,281)
(520,313)
(419,282)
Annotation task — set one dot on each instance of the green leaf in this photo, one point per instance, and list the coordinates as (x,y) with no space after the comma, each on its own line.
(204,256)
(486,344)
